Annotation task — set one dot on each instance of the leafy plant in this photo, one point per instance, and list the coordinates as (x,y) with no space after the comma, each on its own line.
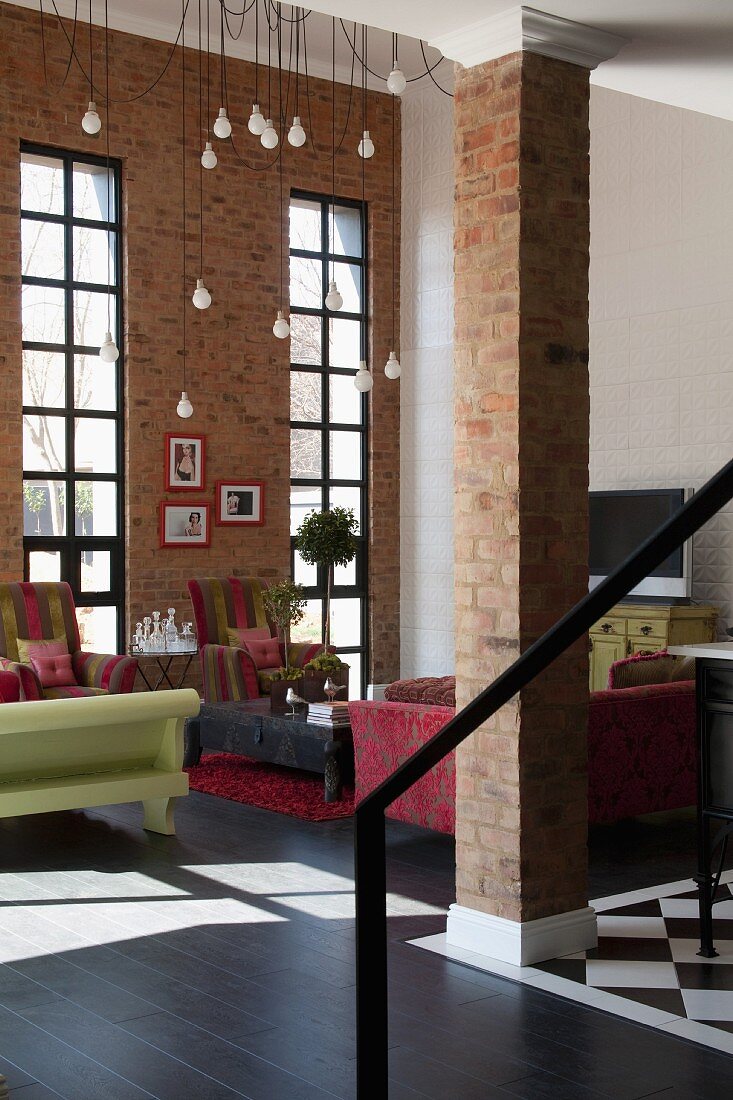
(288,674)
(327,539)
(325,662)
(285,604)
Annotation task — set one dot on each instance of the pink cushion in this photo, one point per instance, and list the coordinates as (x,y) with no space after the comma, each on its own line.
(54,671)
(264,653)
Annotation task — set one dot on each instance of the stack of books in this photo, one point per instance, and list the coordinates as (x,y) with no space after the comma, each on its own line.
(333,715)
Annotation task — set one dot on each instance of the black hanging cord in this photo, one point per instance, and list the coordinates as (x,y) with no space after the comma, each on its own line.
(75,55)
(364,336)
(257,51)
(269,64)
(394,217)
(297,62)
(429,72)
(72,50)
(349,105)
(201,167)
(208,58)
(333,144)
(91,55)
(221,97)
(183,176)
(410,79)
(109,187)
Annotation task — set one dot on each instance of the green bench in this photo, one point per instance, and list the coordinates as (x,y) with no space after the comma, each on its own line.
(72,754)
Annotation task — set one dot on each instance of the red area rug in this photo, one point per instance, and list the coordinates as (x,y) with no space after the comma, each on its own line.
(283,790)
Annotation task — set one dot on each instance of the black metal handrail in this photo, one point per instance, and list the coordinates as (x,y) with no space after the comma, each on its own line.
(370,854)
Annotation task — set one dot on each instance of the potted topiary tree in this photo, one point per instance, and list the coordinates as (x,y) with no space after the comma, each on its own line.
(285,604)
(326,539)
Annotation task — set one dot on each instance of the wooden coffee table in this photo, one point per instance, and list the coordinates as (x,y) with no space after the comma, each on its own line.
(254,729)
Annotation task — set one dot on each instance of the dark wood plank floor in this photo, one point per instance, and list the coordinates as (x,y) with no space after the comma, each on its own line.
(219,964)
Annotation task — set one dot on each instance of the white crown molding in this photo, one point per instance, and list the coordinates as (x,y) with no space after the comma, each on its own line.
(522,944)
(162,31)
(532,31)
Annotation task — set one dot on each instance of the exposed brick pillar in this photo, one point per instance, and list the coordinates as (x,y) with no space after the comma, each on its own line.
(521,457)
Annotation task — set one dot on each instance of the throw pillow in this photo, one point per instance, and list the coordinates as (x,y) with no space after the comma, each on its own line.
(239,636)
(48,647)
(265,653)
(650,668)
(54,671)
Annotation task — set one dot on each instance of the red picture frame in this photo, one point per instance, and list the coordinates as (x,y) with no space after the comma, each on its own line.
(185,462)
(177,521)
(239,503)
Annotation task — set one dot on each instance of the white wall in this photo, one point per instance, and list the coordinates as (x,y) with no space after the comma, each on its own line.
(661,335)
(661,310)
(426,354)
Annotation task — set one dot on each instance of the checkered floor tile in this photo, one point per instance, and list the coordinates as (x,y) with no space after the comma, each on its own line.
(645,967)
(647,952)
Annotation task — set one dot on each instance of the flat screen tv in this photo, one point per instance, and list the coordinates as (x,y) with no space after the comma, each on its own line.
(620,520)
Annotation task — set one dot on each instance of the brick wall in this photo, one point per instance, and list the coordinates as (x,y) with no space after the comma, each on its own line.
(521,454)
(237,371)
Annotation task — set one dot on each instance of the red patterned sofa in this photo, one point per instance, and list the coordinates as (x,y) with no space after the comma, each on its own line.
(641,745)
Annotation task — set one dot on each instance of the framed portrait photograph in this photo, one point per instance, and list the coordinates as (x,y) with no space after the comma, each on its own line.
(184,462)
(240,502)
(184,524)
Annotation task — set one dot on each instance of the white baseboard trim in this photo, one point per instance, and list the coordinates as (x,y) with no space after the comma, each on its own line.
(522,944)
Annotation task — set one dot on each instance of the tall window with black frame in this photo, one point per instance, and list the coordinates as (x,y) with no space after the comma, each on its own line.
(72,400)
(328,415)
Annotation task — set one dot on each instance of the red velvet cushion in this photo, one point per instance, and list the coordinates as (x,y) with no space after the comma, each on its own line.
(54,671)
(9,687)
(437,691)
(265,653)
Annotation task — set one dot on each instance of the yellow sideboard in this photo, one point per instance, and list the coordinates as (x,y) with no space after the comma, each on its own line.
(644,628)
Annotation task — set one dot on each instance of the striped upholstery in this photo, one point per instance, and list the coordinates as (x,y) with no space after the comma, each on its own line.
(39,611)
(108,673)
(223,603)
(9,688)
(45,610)
(72,692)
(30,685)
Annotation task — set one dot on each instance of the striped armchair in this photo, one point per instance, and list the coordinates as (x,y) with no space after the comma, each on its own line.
(229,673)
(45,612)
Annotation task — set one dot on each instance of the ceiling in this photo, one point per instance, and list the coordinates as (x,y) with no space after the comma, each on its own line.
(679,51)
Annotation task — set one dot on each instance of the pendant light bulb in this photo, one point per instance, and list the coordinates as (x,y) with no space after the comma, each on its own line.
(256,124)
(208,157)
(222,126)
(281,328)
(363,379)
(396,82)
(366,146)
(91,123)
(334,300)
(201,296)
(269,136)
(184,408)
(296,133)
(109,352)
(392,367)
